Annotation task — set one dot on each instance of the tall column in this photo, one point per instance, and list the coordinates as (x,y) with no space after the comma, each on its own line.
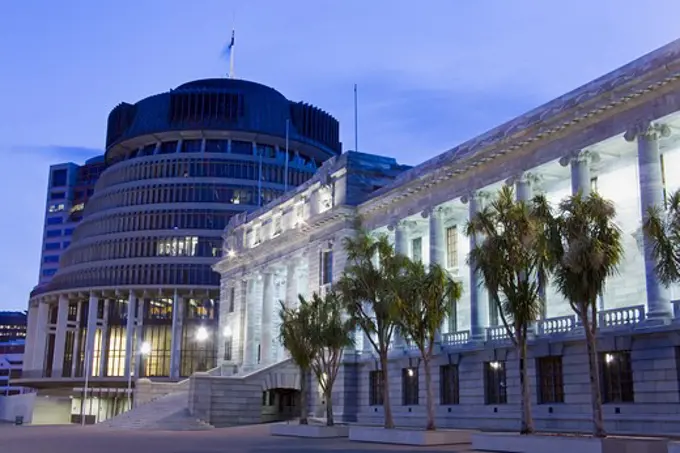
(292,283)
(176,341)
(579,163)
(651,196)
(92,306)
(250,355)
(76,342)
(267,314)
(522,183)
(103,354)
(479,303)
(437,243)
(400,229)
(39,336)
(129,334)
(60,337)
(139,334)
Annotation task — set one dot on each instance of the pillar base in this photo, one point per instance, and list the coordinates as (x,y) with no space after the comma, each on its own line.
(657,319)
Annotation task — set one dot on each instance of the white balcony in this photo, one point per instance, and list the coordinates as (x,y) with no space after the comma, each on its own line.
(456,338)
(621,317)
(558,325)
(498,333)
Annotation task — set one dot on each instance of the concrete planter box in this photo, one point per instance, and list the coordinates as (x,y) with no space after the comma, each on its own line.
(514,443)
(313,431)
(408,436)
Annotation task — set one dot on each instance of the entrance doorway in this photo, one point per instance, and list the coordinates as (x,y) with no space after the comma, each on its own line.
(280,404)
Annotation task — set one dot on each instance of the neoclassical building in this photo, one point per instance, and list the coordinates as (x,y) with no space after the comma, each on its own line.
(617,135)
(135,295)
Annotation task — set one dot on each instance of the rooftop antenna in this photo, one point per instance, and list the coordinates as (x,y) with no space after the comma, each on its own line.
(230,52)
(356,121)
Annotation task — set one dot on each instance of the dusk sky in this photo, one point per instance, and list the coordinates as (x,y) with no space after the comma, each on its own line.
(431,74)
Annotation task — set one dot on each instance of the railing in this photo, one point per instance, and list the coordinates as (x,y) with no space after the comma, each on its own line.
(498,333)
(618,317)
(560,324)
(456,338)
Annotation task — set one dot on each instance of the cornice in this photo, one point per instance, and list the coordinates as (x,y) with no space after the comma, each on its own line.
(571,111)
(287,242)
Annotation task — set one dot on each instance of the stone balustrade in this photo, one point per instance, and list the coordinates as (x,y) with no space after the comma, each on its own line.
(456,338)
(498,333)
(558,325)
(618,317)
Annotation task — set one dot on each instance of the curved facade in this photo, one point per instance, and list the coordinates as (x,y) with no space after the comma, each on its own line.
(138,270)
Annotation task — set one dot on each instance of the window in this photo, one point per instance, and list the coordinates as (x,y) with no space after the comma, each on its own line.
(593,184)
(617,377)
(54,220)
(53,233)
(663,182)
(52,246)
(58,178)
(326,267)
(448,384)
(243,148)
(409,386)
(375,388)
(49,272)
(66,244)
(57,207)
(232,299)
(417,249)
(550,386)
(192,146)
(57,195)
(51,259)
(452,247)
(495,390)
(227,348)
(68,231)
(178,246)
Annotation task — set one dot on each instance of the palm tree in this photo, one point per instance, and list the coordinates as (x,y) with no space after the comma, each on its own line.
(295,334)
(366,289)
(663,228)
(331,332)
(424,299)
(586,249)
(513,261)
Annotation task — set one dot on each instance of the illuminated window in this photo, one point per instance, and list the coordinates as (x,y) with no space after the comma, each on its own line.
(177,246)
(326,267)
(617,377)
(495,384)
(409,386)
(417,249)
(452,247)
(56,207)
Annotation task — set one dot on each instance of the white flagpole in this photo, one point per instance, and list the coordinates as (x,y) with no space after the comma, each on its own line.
(231,55)
(356,121)
(285,181)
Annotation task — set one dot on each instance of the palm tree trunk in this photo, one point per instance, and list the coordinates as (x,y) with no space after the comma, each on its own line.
(329,406)
(303,396)
(428,394)
(595,395)
(527,424)
(387,406)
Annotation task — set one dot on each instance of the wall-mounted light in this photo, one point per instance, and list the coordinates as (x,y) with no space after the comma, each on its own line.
(495,365)
(609,358)
(145,348)
(409,372)
(201,334)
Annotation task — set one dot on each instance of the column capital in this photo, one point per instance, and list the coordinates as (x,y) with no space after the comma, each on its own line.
(401,224)
(583,155)
(473,195)
(523,177)
(648,130)
(436,211)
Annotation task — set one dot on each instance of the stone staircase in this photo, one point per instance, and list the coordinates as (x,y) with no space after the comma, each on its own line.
(166,413)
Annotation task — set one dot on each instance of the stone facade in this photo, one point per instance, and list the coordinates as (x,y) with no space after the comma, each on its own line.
(614,135)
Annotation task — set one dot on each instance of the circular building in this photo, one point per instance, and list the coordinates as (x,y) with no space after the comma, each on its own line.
(135,289)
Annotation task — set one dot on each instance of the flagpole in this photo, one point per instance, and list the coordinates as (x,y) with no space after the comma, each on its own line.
(356,121)
(285,178)
(231,55)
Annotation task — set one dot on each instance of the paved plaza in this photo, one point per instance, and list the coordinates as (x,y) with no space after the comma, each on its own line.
(70,439)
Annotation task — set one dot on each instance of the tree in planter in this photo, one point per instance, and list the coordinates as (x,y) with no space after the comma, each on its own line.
(366,287)
(512,257)
(424,299)
(586,250)
(664,230)
(296,335)
(331,332)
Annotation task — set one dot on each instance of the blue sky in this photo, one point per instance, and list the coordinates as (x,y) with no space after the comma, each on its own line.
(430,74)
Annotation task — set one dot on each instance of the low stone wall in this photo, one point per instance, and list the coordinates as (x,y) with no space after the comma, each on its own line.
(147,390)
(237,400)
